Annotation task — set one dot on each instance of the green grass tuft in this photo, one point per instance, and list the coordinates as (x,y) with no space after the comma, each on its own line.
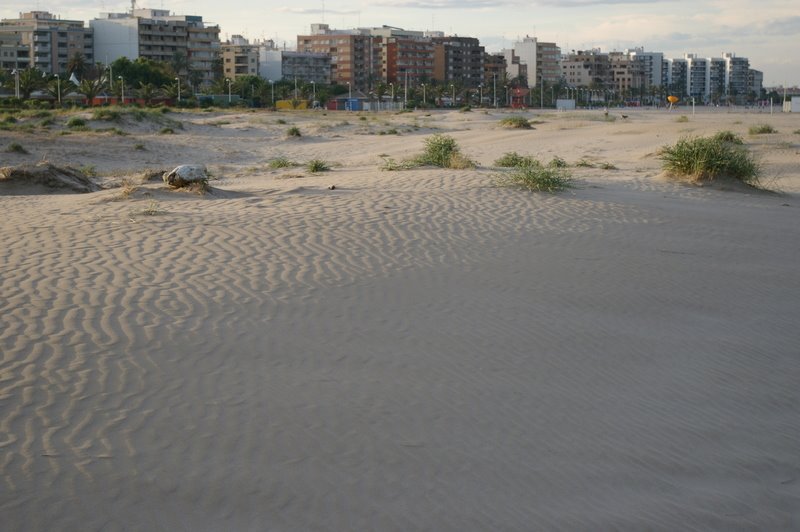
(706,158)
(536,179)
(281,162)
(293,131)
(109,115)
(16,147)
(762,129)
(317,165)
(681,119)
(518,122)
(514,160)
(443,151)
(75,122)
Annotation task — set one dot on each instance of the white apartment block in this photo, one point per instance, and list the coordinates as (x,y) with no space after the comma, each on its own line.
(156,34)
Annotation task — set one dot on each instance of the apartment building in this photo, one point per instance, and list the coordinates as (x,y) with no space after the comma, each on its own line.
(306,67)
(586,68)
(239,58)
(494,69)
(405,58)
(458,60)
(353,55)
(38,39)
(155,34)
(737,77)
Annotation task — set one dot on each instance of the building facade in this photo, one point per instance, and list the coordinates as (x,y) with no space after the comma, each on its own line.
(156,35)
(239,58)
(39,40)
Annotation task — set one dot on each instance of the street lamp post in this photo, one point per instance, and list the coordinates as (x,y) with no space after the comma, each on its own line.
(179,89)
(122,84)
(349,90)
(228,81)
(453,101)
(313,92)
(480,102)
(541,92)
(494,88)
(424,99)
(272,86)
(392,86)
(405,94)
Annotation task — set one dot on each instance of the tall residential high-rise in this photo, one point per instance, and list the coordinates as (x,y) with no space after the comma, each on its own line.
(184,40)
(458,60)
(40,40)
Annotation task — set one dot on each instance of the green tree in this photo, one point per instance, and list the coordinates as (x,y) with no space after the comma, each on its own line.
(179,63)
(91,88)
(30,80)
(58,88)
(77,65)
(147,91)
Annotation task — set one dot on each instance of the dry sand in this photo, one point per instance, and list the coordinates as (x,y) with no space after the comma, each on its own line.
(413,350)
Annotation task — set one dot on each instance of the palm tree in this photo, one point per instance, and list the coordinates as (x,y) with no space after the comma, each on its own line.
(147,91)
(57,88)
(90,88)
(77,65)
(179,63)
(30,80)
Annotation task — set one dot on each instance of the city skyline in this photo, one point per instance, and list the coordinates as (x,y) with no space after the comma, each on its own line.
(764,33)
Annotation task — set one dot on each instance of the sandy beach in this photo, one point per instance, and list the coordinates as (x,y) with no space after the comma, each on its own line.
(361,349)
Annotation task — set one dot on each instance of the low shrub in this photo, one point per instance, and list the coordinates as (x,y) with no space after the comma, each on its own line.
(536,179)
(518,122)
(109,115)
(728,136)
(293,131)
(514,160)
(443,151)
(317,165)
(706,158)
(682,119)
(76,121)
(15,147)
(166,131)
(281,162)
(557,162)
(762,129)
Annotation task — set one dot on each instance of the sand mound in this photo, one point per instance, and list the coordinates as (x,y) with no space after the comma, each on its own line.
(19,179)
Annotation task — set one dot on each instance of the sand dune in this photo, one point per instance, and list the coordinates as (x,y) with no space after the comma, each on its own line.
(413,350)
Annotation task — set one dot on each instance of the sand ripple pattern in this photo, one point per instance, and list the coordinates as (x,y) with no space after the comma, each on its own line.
(300,357)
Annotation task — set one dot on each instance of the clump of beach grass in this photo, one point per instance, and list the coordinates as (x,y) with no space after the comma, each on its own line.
(517,122)
(293,131)
(728,136)
(390,165)
(557,162)
(762,129)
(109,115)
(514,160)
(707,158)
(281,162)
(681,119)
(535,178)
(16,147)
(317,165)
(443,151)
(166,131)
(76,122)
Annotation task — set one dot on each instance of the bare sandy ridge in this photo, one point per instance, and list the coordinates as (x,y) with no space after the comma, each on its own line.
(412,350)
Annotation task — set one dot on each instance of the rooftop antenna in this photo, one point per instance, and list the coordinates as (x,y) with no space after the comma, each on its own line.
(133,6)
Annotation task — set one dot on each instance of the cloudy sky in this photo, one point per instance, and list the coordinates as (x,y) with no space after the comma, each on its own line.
(766,32)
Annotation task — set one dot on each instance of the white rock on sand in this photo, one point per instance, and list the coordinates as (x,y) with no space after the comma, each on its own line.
(414,350)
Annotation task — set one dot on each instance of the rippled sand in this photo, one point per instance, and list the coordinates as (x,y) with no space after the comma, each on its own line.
(414,350)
